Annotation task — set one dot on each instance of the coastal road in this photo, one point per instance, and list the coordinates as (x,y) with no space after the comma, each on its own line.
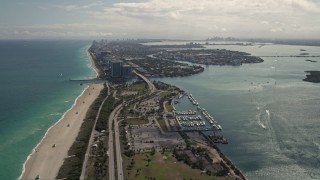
(112,117)
(118,150)
(150,84)
(84,165)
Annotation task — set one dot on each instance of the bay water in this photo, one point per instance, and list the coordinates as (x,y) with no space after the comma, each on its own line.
(270,117)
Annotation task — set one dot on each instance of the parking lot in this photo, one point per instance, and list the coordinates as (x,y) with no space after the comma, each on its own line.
(145,137)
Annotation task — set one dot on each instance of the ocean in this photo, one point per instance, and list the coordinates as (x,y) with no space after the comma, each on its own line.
(270,117)
(35,92)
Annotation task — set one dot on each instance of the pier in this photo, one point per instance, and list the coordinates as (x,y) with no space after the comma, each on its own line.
(189,120)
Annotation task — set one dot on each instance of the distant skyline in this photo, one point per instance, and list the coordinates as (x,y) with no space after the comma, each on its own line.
(178,19)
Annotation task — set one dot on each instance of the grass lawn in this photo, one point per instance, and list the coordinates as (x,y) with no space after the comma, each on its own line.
(161,167)
(162,123)
(164,93)
(140,87)
(137,121)
(131,113)
(168,106)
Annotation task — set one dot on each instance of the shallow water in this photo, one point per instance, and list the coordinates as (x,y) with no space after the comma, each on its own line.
(35,92)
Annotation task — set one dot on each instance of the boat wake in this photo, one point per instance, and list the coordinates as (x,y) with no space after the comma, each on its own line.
(268,114)
(262,125)
(263,117)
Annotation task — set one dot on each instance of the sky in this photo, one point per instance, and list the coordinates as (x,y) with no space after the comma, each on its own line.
(172,19)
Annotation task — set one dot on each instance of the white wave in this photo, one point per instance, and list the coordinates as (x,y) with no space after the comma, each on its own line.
(34,149)
(297,85)
(268,114)
(258,117)
(55,114)
(91,65)
(262,125)
(263,118)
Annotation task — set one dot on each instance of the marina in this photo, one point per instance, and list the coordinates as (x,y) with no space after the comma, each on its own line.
(189,116)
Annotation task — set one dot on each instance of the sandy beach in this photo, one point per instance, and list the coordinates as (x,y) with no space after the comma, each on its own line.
(46,159)
(92,64)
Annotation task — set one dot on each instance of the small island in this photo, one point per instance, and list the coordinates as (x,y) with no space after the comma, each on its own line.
(165,68)
(162,60)
(220,57)
(312,76)
(140,58)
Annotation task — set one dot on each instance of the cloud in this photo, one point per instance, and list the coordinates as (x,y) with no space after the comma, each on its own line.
(77,7)
(306,5)
(188,18)
(58,31)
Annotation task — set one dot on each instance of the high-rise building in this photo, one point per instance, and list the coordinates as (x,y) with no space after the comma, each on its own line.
(119,70)
(126,71)
(115,69)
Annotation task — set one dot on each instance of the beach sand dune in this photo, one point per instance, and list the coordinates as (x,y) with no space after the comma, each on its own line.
(48,156)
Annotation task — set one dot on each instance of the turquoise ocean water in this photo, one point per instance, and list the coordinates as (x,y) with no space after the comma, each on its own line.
(35,92)
(269,115)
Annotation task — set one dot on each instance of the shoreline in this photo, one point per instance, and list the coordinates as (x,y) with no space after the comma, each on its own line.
(61,135)
(92,63)
(44,136)
(215,150)
(85,94)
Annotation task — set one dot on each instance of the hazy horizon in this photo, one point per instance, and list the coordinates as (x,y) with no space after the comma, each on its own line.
(158,19)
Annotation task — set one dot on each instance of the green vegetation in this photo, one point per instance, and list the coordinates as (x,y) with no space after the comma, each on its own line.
(71,168)
(162,123)
(137,121)
(132,113)
(228,162)
(168,106)
(107,108)
(134,117)
(210,56)
(160,166)
(165,93)
(166,68)
(98,162)
(140,87)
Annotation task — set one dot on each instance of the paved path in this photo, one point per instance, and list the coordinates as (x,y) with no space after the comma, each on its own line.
(84,165)
(164,115)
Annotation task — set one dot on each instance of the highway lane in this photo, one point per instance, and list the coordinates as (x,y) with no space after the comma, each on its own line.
(111,119)
(118,150)
(150,84)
